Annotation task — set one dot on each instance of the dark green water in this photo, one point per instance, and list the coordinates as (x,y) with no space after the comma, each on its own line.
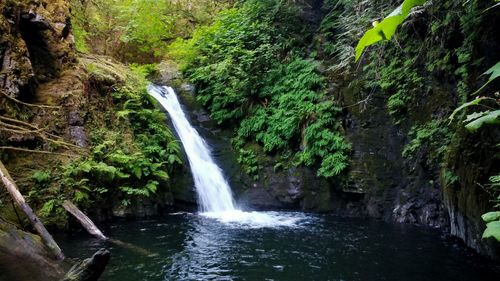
(320,247)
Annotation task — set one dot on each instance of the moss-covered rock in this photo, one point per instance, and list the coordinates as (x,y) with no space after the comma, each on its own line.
(35,44)
(24,257)
(465,197)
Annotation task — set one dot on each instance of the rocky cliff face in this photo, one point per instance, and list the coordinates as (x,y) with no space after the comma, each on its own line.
(36,62)
(438,191)
(35,44)
(473,159)
(395,188)
(35,48)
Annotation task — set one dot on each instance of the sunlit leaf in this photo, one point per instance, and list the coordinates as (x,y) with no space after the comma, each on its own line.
(492,117)
(494,72)
(385,29)
(491,216)
(492,230)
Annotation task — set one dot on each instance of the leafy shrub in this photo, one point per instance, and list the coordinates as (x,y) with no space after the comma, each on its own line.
(450,177)
(43,190)
(126,164)
(138,30)
(144,70)
(298,117)
(401,81)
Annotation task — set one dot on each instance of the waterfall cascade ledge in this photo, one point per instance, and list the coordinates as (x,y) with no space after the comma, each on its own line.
(214,193)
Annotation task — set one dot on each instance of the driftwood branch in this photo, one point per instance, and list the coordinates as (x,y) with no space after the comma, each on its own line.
(34,220)
(92,229)
(85,221)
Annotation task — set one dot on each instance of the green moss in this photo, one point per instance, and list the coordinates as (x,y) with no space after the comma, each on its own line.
(433,137)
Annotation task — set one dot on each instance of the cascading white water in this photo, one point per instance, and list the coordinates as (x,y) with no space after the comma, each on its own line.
(214,193)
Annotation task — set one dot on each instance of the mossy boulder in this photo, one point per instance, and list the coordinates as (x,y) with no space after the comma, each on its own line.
(24,257)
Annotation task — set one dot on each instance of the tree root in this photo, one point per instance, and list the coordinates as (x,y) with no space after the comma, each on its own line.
(37,151)
(30,104)
(18,122)
(15,129)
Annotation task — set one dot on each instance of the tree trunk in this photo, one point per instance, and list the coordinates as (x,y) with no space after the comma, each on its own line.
(34,220)
(84,220)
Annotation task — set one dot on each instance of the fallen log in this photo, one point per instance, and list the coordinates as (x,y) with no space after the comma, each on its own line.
(33,219)
(92,229)
(133,247)
(85,221)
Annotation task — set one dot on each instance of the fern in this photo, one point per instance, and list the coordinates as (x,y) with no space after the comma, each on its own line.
(41,177)
(125,163)
(249,76)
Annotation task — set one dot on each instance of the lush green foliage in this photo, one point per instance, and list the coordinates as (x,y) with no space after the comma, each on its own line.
(249,75)
(137,30)
(344,20)
(477,119)
(494,73)
(127,164)
(474,122)
(404,73)
(399,70)
(41,177)
(401,79)
(492,219)
(433,138)
(132,153)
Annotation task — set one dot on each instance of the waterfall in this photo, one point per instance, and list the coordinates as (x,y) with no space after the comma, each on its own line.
(214,193)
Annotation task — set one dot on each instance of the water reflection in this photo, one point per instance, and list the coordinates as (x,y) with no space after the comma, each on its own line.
(217,243)
(206,251)
(317,247)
